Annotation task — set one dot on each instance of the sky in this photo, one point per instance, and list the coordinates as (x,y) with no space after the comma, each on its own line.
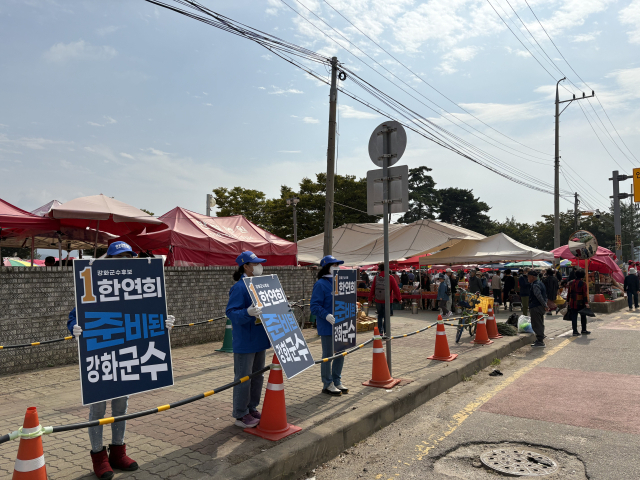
(137,102)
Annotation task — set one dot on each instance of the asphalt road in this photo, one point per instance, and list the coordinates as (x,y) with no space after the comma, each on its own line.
(575,401)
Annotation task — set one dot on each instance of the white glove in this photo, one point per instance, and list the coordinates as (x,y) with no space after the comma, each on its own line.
(331,319)
(170,321)
(77,330)
(254,311)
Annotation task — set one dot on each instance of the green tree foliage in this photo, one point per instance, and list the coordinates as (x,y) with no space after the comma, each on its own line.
(23,253)
(147,211)
(460,207)
(242,201)
(520,232)
(424,200)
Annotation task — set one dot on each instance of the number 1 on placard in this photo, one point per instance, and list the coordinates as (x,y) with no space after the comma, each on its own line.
(87,283)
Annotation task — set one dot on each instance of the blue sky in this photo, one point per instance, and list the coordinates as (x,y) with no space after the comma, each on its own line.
(134,101)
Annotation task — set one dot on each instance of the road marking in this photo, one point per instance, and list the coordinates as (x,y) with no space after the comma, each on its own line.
(467,411)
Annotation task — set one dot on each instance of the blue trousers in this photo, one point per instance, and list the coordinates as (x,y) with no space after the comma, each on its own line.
(331,371)
(246,396)
(97,411)
(381,325)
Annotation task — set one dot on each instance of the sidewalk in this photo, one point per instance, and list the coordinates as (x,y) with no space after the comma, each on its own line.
(199,440)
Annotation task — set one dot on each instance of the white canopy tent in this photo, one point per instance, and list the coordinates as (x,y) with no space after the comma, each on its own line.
(363,243)
(493,249)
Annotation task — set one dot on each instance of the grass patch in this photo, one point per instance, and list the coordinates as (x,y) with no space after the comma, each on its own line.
(495,362)
(466,379)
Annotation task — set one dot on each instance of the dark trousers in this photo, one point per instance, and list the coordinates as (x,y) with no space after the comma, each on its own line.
(632,298)
(537,322)
(573,314)
(443,306)
(381,325)
(497,296)
(505,298)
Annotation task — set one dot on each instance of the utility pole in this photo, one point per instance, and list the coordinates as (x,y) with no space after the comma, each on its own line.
(576,212)
(617,223)
(331,160)
(293,201)
(556,190)
(633,224)
(210,204)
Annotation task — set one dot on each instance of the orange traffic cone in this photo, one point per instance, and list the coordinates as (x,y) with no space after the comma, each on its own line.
(492,326)
(482,338)
(273,424)
(30,462)
(380,376)
(442,345)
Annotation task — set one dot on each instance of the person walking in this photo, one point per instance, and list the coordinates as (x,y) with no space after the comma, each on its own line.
(452,284)
(377,293)
(425,285)
(475,282)
(631,286)
(496,286)
(404,278)
(250,342)
(551,284)
(537,306)
(117,457)
(509,284)
(578,298)
(443,296)
(525,290)
(322,308)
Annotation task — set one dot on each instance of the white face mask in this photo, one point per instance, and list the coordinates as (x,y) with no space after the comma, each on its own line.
(334,269)
(257,270)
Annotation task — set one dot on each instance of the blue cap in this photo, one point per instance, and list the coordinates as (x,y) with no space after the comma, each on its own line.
(248,257)
(119,247)
(330,259)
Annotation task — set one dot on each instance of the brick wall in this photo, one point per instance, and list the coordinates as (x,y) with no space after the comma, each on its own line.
(35,304)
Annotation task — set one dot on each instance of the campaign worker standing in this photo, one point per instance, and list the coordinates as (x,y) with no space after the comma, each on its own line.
(250,342)
(103,463)
(322,308)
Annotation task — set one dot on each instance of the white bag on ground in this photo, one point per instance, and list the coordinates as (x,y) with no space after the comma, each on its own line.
(524,324)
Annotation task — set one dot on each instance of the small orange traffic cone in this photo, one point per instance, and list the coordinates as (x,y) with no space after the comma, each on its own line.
(492,326)
(273,424)
(380,376)
(482,338)
(442,345)
(30,461)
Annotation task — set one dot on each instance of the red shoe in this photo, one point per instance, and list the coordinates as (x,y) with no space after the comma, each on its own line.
(118,458)
(101,466)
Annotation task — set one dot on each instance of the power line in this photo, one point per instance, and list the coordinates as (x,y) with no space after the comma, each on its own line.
(427,83)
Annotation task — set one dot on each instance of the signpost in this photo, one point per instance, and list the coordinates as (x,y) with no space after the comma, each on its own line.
(280,324)
(386,145)
(345,309)
(124,348)
(636,185)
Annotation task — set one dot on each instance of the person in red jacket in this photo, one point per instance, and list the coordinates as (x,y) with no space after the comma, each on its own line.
(377,293)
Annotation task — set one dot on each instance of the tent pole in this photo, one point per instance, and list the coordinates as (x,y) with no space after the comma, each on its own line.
(32,251)
(95,245)
(59,251)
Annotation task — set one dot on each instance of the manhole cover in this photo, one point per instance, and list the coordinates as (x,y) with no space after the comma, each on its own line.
(519,462)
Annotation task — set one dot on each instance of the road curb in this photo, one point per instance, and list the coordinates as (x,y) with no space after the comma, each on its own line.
(318,444)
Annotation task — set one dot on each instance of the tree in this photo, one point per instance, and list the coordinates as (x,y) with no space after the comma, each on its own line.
(460,207)
(147,211)
(424,199)
(23,253)
(242,201)
(520,232)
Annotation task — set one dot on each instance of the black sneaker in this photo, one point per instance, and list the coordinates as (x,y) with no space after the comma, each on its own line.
(586,332)
(576,334)
(538,344)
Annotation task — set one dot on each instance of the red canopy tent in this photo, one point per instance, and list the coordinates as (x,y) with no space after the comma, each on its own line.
(15,221)
(192,239)
(603,261)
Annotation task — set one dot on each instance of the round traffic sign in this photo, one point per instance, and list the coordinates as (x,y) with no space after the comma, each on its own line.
(398,142)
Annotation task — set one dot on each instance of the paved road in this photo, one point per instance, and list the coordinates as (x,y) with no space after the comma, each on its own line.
(575,401)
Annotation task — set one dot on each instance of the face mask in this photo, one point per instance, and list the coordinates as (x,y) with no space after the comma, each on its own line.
(257,270)
(334,269)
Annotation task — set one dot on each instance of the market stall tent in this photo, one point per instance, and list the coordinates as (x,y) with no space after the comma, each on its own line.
(603,261)
(363,244)
(192,239)
(496,248)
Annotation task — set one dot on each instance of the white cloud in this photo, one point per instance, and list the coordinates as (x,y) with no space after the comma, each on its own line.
(266,56)
(349,112)
(310,120)
(80,50)
(455,55)
(261,88)
(126,155)
(630,15)
(208,104)
(109,119)
(31,142)
(107,30)
(571,14)
(586,37)
(289,151)
(280,91)
(2,125)
(94,124)
(294,116)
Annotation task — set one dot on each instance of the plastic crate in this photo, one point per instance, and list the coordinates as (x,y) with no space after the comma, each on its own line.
(485,303)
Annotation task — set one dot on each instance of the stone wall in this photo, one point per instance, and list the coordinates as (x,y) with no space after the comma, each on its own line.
(35,304)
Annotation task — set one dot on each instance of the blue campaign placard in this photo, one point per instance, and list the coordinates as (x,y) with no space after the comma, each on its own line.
(280,324)
(124,347)
(345,309)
